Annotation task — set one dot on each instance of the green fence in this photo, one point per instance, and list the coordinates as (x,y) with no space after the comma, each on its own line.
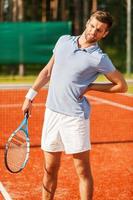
(30,43)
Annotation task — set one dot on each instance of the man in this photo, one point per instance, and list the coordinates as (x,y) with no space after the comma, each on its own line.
(75,64)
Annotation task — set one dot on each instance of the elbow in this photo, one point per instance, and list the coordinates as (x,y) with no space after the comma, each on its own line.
(123,88)
(45,74)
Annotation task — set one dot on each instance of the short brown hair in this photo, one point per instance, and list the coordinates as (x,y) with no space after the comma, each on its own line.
(103,16)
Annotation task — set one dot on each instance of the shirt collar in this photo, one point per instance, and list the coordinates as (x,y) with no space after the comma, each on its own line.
(88,49)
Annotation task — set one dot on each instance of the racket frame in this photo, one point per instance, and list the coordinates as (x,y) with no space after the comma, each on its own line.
(22,127)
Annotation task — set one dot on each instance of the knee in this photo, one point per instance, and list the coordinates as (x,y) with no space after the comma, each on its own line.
(51,171)
(85,173)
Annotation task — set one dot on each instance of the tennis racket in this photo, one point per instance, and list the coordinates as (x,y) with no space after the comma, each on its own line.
(17,148)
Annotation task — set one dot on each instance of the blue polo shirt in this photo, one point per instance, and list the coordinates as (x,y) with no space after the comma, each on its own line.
(73,71)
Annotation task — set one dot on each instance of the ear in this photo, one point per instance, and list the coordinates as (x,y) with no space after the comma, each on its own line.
(105,34)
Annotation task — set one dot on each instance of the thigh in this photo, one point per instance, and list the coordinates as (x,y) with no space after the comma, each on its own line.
(82,163)
(52,161)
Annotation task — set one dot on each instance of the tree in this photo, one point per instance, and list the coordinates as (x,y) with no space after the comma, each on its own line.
(34,9)
(18,15)
(54,7)
(87,8)
(77,15)
(61,10)
(14,11)
(46,10)
(20,18)
(94,5)
(1,10)
(128,38)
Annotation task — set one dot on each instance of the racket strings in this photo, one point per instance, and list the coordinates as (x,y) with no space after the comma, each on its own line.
(17,152)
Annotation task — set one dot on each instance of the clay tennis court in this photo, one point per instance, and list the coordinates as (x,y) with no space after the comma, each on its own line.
(111,154)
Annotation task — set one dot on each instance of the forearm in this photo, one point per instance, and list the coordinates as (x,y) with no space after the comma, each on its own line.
(41,80)
(106,87)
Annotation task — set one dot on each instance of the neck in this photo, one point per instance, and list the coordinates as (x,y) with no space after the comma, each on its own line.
(82,43)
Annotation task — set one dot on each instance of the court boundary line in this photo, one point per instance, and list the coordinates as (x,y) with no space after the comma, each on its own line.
(34,105)
(109,102)
(126,94)
(4,193)
(94,98)
(12,86)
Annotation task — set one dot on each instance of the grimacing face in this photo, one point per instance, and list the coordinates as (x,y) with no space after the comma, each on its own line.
(95,30)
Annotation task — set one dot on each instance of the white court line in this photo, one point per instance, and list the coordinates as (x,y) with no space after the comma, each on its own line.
(97,99)
(36,104)
(4,192)
(126,94)
(110,103)
(18,86)
(19,105)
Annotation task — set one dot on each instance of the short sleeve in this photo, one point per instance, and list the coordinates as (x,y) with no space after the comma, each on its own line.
(56,45)
(105,66)
(59,41)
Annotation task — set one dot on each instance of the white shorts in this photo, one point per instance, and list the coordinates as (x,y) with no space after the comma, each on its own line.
(65,133)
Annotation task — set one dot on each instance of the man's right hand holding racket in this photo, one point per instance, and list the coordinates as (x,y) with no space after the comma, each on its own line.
(27,105)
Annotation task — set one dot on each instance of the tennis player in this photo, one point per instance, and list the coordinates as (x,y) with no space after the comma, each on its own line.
(76,63)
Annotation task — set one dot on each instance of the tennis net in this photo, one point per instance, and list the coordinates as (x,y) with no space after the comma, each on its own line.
(107,125)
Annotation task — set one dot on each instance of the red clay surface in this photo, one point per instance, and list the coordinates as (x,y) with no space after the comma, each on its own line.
(111,154)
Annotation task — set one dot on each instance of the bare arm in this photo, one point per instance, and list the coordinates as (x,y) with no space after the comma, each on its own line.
(117,84)
(44,75)
(41,80)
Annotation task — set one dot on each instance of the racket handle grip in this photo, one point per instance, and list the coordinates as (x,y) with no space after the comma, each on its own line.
(27,114)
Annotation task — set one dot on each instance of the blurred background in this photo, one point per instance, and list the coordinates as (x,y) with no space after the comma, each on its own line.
(29,30)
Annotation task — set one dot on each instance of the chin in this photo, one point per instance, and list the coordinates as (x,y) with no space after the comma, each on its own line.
(90,40)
